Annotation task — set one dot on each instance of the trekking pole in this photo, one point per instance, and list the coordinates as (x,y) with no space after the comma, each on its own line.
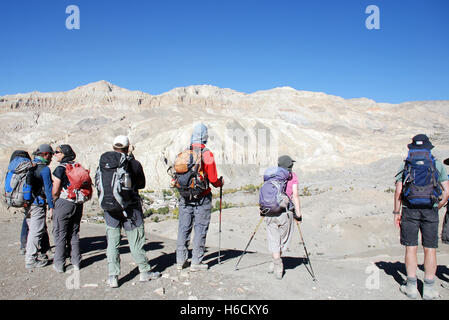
(307,254)
(219,225)
(254,233)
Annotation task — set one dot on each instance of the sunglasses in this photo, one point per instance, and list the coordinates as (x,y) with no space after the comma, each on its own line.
(58,151)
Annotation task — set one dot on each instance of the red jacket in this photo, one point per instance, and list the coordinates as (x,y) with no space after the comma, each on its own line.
(209,168)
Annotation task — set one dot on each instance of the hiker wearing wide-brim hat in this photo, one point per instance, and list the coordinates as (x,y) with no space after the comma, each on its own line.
(279,226)
(41,189)
(420,141)
(417,199)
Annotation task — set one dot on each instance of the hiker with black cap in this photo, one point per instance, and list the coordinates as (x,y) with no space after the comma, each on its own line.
(279,226)
(118,180)
(68,210)
(422,188)
(41,189)
(195,204)
(19,156)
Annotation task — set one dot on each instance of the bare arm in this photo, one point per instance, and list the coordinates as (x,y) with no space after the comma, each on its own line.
(56,190)
(397,203)
(295,199)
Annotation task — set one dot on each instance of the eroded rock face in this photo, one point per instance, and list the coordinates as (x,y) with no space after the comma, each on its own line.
(247,132)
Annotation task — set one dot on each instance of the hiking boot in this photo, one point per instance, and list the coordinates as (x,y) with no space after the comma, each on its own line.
(198,267)
(278,269)
(112,281)
(180,266)
(410,288)
(36,264)
(429,292)
(43,257)
(59,269)
(147,276)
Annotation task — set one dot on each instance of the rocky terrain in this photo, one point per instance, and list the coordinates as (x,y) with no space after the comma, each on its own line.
(347,152)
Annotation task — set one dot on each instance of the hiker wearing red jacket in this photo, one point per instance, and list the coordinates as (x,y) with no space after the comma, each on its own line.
(195,212)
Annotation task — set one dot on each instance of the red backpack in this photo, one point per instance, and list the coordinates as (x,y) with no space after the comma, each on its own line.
(80,188)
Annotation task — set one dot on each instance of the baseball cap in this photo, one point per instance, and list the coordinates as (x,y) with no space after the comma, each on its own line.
(121,142)
(44,148)
(285,161)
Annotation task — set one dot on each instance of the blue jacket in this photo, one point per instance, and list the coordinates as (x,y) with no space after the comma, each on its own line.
(45,176)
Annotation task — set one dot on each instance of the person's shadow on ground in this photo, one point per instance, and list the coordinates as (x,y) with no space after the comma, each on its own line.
(398,271)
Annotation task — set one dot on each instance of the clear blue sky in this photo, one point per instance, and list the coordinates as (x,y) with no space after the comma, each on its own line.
(245,45)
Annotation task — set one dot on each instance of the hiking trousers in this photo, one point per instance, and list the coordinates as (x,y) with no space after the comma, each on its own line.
(135,232)
(66,226)
(37,228)
(45,243)
(279,231)
(196,216)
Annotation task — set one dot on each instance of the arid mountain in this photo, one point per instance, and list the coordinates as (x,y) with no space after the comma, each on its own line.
(247,131)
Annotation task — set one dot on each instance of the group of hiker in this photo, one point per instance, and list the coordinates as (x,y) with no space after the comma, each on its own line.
(422,188)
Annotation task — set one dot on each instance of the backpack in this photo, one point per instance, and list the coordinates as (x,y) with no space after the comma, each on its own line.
(189,176)
(79,189)
(272,196)
(113,183)
(17,189)
(420,179)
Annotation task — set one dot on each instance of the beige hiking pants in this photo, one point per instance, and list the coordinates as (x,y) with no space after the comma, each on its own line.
(279,232)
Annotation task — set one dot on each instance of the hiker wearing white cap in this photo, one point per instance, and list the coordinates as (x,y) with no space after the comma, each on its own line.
(118,180)
(41,189)
(422,188)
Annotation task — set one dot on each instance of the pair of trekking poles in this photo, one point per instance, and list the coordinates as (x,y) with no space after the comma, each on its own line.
(302,241)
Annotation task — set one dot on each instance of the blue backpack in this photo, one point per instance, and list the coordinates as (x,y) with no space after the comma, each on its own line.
(17,189)
(420,179)
(272,196)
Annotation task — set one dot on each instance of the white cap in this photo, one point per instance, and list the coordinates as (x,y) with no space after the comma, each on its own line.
(121,142)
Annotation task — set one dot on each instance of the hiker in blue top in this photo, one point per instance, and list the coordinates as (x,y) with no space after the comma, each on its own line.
(421,190)
(17,157)
(41,183)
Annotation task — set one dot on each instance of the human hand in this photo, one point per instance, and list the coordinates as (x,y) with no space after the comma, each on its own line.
(297,217)
(397,220)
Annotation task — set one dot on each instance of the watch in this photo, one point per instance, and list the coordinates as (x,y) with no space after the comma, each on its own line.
(396,212)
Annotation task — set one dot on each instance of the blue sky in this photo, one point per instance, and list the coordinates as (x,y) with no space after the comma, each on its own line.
(246,45)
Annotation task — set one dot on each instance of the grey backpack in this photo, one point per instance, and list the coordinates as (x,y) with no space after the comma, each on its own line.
(113,183)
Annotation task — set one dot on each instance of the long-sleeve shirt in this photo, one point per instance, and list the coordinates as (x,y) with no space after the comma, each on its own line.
(209,168)
(46,185)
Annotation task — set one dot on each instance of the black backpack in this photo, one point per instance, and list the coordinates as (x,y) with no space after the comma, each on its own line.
(113,183)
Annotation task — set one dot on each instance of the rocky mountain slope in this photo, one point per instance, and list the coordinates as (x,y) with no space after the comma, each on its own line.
(247,131)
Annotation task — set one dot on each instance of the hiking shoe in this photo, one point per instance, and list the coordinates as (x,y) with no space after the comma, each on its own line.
(429,292)
(112,281)
(198,267)
(43,257)
(410,288)
(36,264)
(180,266)
(278,269)
(59,269)
(147,276)
(22,251)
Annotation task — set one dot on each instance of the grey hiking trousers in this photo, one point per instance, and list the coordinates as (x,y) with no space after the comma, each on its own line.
(37,228)
(196,216)
(66,227)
